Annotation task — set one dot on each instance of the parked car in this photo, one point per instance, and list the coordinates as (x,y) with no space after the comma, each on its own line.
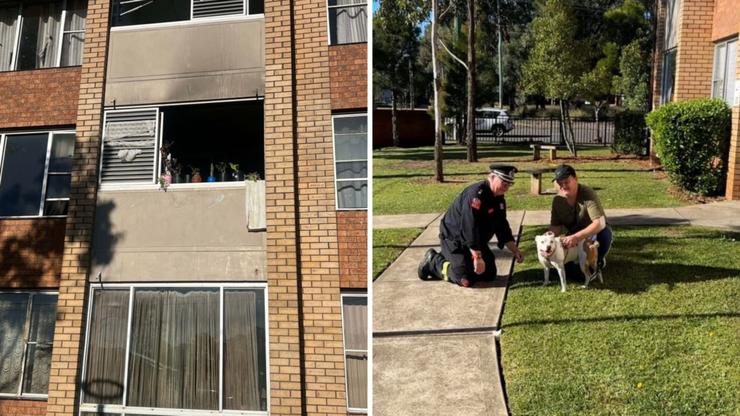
(493,120)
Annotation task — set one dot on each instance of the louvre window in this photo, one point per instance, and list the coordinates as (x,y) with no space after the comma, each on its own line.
(129,146)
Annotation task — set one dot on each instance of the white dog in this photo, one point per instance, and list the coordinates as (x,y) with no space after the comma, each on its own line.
(552,254)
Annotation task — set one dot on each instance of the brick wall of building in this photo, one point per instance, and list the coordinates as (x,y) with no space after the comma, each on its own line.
(695,50)
(348,68)
(726,20)
(68,333)
(352,234)
(22,407)
(31,252)
(44,97)
(733,173)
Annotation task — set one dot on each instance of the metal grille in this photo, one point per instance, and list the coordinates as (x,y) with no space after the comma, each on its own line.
(211,8)
(129,146)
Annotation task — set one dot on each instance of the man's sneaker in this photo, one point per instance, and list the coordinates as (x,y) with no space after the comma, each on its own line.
(601,264)
(424,269)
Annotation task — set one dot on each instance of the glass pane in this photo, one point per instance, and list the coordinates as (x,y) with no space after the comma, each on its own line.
(346,125)
(348,24)
(352,194)
(62,150)
(730,72)
(357,380)
(56,207)
(106,347)
(57,186)
(39,35)
(145,11)
(76,15)
(22,178)
(245,377)
(351,146)
(13,310)
(354,310)
(43,318)
(256,6)
(345,2)
(350,170)
(8,21)
(72,44)
(38,362)
(174,358)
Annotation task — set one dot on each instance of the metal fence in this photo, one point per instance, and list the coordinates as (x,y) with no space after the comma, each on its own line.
(547,130)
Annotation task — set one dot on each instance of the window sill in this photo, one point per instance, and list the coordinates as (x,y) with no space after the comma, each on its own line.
(191,22)
(40,69)
(31,217)
(29,397)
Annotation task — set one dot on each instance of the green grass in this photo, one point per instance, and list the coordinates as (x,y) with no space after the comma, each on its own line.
(403,179)
(660,337)
(388,245)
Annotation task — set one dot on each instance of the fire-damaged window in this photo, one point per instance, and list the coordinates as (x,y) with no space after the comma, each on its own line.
(139,12)
(189,143)
(41,34)
(347,21)
(35,173)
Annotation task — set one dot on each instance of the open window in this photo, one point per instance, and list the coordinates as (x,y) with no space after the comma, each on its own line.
(139,12)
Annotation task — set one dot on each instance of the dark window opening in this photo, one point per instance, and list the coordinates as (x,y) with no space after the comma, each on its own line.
(139,12)
(220,142)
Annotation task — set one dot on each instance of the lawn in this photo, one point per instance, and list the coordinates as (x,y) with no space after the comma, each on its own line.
(399,174)
(388,245)
(660,337)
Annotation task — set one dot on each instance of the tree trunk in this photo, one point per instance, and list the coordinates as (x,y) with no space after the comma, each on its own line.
(472,144)
(597,110)
(439,174)
(394,120)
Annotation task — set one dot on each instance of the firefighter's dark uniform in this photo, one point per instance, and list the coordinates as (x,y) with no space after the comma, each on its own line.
(470,223)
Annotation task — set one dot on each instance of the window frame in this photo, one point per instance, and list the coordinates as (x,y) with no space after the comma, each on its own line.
(663,81)
(26,333)
(342,296)
(192,21)
(328,22)
(335,161)
(49,142)
(122,408)
(60,35)
(724,44)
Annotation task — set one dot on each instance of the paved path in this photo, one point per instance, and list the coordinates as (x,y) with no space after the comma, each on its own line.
(434,352)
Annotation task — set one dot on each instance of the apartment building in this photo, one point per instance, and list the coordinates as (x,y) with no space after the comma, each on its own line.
(696,56)
(193,237)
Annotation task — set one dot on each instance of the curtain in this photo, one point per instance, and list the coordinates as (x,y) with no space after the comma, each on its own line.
(106,352)
(40,35)
(244,366)
(13,310)
(74,33)
(355,342)
(174,354)
(348,24)
(352,194)
(8,21)
(40,338)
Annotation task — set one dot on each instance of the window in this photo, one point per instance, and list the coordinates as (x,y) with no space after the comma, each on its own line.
(350,156)
(723,76)
(220,142)
(176,348)
(35,173)
(41,34)
(354,324)
(669,76)
(26,335)
(347,21)
(139,12)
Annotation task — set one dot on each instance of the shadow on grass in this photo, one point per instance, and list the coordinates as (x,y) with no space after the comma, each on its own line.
(625,318)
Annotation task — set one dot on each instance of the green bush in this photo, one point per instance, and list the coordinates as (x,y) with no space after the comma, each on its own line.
(629,133)
(692,138)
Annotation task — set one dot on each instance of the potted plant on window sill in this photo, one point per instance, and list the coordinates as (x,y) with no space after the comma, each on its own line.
(236,172)
(222,167)
(195,172)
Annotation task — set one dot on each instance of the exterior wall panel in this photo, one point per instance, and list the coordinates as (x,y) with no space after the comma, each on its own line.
(31,252)
(348,70)
(41,98)
(726,19)
(352,234)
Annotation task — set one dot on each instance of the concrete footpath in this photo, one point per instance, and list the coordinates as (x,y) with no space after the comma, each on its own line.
(434,349)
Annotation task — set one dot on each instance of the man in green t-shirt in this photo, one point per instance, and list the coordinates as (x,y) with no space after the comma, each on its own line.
(577,209)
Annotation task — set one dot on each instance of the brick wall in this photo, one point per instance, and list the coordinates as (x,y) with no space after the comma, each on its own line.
(68,333)
(44,97)
(726,20)
(348,69)
(31,252)
(695,50)
(352,234)
(733,173)
(22,407)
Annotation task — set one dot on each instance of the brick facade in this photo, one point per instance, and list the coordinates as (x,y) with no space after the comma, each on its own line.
(733,174)
(22,407)
(68,334)
(348,69)
(352,234)
(39,98)
(31,252)
(695,55)
(726,19)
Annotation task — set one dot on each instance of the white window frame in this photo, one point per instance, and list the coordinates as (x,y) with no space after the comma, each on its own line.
(123,409)
(157,145)
(26,331)
(342,296)
(49,140)
(725,44)
(60,36)
(192,20)
(663,80)
(334,158)
(328,22)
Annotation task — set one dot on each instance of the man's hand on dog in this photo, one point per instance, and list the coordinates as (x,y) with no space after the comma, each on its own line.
(569,241)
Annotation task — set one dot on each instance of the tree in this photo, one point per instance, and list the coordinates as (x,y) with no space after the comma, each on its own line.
(634,77)
(596,84)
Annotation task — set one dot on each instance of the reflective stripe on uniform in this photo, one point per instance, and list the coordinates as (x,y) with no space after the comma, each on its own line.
(445,266)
